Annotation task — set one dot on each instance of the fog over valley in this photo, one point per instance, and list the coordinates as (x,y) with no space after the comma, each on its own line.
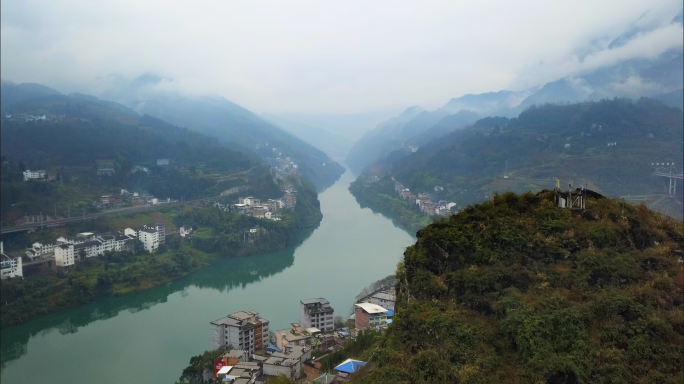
(352,192)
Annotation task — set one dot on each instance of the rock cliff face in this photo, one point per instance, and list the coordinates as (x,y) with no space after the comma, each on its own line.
(516,290)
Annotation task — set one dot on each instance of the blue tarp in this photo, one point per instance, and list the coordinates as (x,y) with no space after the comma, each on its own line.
(390,313)
(344,334)
(389,321)
(350,366)
(273,347)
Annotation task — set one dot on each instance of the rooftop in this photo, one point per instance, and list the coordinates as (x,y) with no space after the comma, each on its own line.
(371,308)
(319,300)
(350,366)
(384,296)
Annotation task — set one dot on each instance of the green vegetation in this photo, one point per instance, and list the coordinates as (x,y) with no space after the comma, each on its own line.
(547,142)
(381,197)
(111,275)
(201,364)
(96,135)
(516,290)
(219,234)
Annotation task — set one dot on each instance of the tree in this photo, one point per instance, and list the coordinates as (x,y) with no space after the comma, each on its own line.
(339,322)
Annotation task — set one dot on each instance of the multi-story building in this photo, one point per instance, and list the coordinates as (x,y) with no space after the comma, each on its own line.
(368,315)
(89,248)
(9,266)
(149,238)
(244,330)
(40,250)
(317,313)
(64,255)
(29,175)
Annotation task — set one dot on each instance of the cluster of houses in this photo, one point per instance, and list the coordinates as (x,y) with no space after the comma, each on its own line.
(267,209)
(255,356)
(27,117)
(133,198)
(68,250)
(424,201)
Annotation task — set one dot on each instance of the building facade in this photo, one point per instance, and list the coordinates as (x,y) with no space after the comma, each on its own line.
(9,266)
(64,255)
(149,239)
(31,175)
(317,313)
(244,330)
(368,315)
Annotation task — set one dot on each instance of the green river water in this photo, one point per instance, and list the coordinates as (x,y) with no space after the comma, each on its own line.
(149,337)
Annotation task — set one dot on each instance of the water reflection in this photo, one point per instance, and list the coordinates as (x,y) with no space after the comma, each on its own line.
(222,275)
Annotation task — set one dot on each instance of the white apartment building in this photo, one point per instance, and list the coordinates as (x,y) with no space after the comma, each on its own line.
(40,250)
(9,266)
(29,175)
(244,330)
(64,255)
(90,248)
(149,238)
(317,313)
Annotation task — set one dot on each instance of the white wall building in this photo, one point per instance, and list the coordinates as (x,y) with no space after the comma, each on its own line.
(64,255)
(244,330)
(149,238)
(29,175)
(9,266)
(40,250)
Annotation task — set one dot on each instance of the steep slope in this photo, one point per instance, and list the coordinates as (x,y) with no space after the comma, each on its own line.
(82,133)
(373,143)
(333,145)
(517,290)
(225,120)
(413,127)
(554,141)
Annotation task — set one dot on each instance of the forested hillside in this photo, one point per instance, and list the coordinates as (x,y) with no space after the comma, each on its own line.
(608,146)
(82,134)
(413,127)
(517,290)
(228,121)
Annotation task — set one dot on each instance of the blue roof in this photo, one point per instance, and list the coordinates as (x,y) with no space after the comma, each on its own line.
(345,334)
(389,321)
(390,313)
(273,347)
(350,366)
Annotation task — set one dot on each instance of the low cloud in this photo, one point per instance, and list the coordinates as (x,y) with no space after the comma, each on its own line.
(325,57)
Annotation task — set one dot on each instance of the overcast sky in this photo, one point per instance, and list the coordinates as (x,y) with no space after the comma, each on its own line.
(319,57)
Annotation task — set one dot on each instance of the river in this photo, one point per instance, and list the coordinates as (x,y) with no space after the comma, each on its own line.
(150,336)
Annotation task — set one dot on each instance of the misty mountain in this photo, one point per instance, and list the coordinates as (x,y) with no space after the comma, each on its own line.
(486,103)
(14,93)
(379,140)
(335,146)
(413,127)
(548,141)
(219,117)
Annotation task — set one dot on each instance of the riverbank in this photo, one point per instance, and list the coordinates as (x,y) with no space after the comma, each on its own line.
(380,197)
(222,235)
